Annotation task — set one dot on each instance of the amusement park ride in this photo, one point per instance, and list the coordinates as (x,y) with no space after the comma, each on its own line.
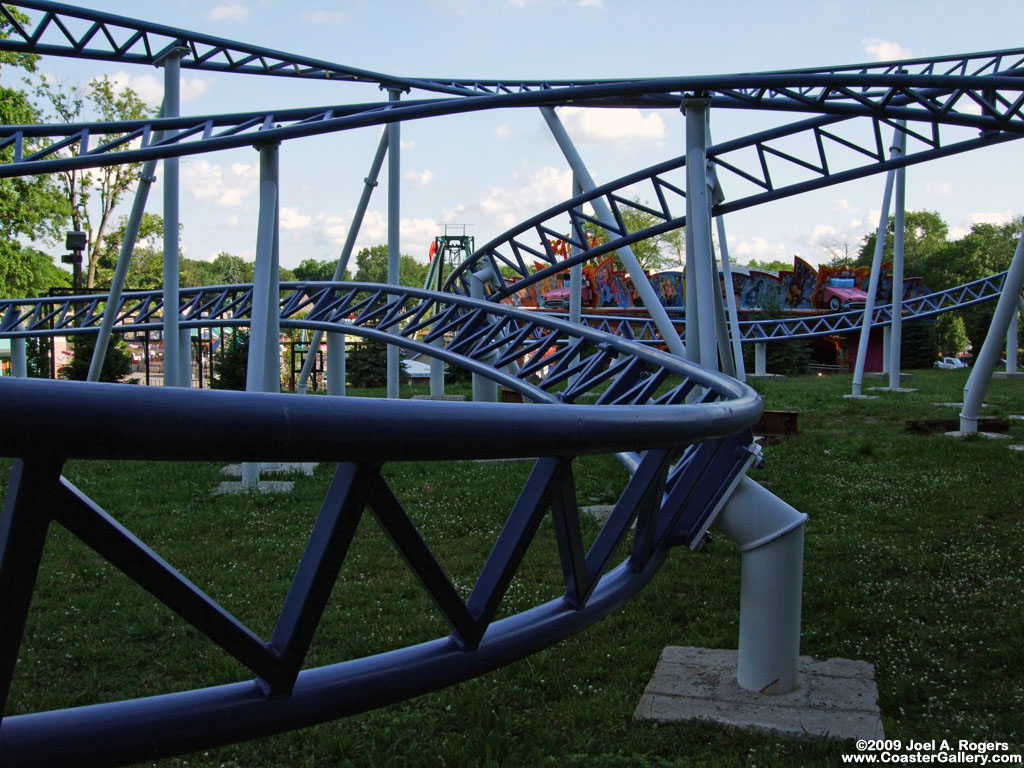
(675,411)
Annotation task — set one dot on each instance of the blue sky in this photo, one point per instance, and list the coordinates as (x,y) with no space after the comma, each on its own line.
(492,170)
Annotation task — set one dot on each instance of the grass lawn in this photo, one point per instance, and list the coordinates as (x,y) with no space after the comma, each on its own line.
(913,563)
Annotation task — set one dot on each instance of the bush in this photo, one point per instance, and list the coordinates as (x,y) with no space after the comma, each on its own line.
(232,364)
(117,363)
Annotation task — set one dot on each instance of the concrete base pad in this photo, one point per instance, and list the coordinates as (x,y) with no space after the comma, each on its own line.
(278,468)
(892,389)
(861,397)
(885,375)
(986,435)
(1008,374)
(765,376)
(837,698)
(958,405)
(264,486)
(1016,447)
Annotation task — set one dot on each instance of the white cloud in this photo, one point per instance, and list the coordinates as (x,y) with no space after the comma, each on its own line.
(292,219)
(445,7)
(884,50)
(991,218)
(212,183)
(228,12)
(507,206)
(591,3)
(758,248)
(420,179)
(331,230)
(151,88)
(503,131)
(944,188)
(323,17)
(612,125)
(406,145)
(821,231)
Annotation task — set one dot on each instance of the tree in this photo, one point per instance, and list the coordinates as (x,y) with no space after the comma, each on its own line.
(26,272)
(146,268)
(951,333)
(313,270)
(924,233)
(775,265)
(117,363)
(372,267)
(657,252)
(233,363)
(71,104)
(31,207)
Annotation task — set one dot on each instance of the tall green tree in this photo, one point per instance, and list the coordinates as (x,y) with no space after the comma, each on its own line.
(667,249)
(925,232)
(31,207)
(146,267)
(372,267)
(312,269)
(773,265)
(92,195)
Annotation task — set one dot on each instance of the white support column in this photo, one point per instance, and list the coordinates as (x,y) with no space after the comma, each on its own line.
(899,236)
(886,347)
(730,301)
(336,364)
(895,151)
(605,217)
(698,223)
(173,375)
(770,534)
(1011,344)
(575,276)
(981,373)
(19,358)
(485,390)
(760,358)
(264,293)
(394,234)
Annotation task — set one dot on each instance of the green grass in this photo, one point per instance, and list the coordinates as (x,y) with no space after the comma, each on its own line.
(913,563)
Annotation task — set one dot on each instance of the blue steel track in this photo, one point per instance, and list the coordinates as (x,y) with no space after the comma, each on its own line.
(688,428)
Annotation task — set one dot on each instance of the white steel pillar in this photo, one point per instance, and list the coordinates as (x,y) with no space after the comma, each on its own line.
(173,375)
(981,373)
(394,234)
(19,358)
(698,226)
(1011,344)
(335,364)
(760,358)
(899,236)
(770,534)
(265,297)
(895,151)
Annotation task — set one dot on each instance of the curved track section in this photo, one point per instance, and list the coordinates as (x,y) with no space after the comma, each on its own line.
(643,329)
(752,164)
(692,454)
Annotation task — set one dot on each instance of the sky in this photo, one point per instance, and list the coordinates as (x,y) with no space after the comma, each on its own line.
(491,170)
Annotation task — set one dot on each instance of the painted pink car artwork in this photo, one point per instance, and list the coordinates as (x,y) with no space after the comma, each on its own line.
(842,293)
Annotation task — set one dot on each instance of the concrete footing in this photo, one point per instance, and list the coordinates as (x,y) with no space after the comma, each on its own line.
(837,698)
(987,435)
(861,397)
(892,389)
(263,486)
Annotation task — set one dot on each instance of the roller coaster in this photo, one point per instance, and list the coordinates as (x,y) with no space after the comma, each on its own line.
(682,426)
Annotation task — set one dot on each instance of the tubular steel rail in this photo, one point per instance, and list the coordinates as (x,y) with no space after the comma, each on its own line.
(692,454)
(643,329)
(228,305)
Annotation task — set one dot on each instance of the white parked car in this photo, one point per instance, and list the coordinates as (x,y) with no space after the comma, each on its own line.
(950,362)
